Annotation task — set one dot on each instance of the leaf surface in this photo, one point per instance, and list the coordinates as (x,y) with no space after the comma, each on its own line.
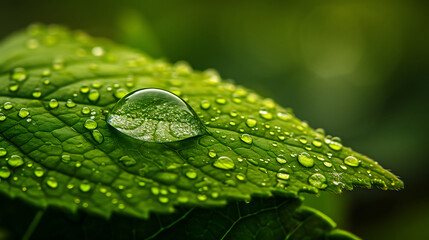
(53,81)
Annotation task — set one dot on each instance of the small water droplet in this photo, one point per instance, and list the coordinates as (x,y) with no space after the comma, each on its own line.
(19,74)
(36,93)
(240,176)
(283,176)
(93,95)
(4,172)
(2,117)
(58,64)
(53,103)
(13,86)
(205,104)
(224,162)
(220,100)
(281,160)
(46,73)
(120,93)
(351,161)
(154,115)
(317,142)
(52,182)
(85,110)
(84,89)
(32,44)
(303,140)
(337,146)
(7,105)
(23,113)
(3,152)
(265,114)
(251,122)
(246,138)
(306,160)
(70,103)
(202,197)
(327,164)
(191,174)
(39,172)
(318,180)
(15,161)
(90,124)
(85,186)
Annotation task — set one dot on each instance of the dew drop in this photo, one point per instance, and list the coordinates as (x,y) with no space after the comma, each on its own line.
(120,93)
(281,160)
(53,103)
(318,180)
(70,103)
(7,105)
(191,174)
(268,103)
(265,114)
(39,172)
(3,152)
(36,93)
(317,142)
(283,116)
(224,162)
(306,160)
(251,122)
(2,117)
(23,113)
(154,115)
(93,95)
(84,89)
(283,176)
(205,104)
(303,140)
(52,182)
(85,110)
(13,86)
(97,51)
(220,100)
(240,176)
(202,197)
(336,146)
(19,74)
(327,164)
(15,161)
(351,161)
(85,186)
(4,172)
(90,124)
(246,138)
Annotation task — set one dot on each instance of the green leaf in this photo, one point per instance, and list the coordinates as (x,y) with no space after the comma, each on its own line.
(273,218)
(58,86)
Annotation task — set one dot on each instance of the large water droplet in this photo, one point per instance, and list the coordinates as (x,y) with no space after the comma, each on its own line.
(318,180)
(2,117)
(224,162)
(85,186)
(154,115)
(351,161)
(15,161)
(39,172)
(306,160)
(23,113)
(7,105)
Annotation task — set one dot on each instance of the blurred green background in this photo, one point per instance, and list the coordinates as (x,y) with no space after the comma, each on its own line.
(358,69)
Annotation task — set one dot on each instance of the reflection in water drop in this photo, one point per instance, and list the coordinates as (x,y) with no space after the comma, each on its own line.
(154,115)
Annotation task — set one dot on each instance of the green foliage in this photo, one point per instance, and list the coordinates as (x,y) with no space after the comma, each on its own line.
(56,89)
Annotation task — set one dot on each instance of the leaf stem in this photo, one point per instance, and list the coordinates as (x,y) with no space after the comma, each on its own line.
(33,225)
